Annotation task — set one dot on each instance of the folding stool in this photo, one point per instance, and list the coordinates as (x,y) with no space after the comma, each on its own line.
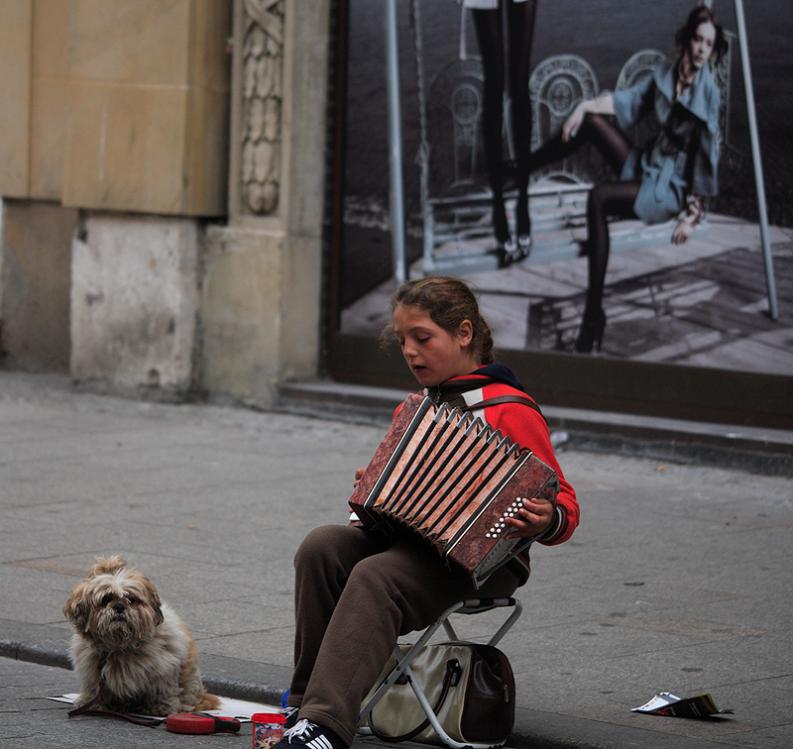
(401,671)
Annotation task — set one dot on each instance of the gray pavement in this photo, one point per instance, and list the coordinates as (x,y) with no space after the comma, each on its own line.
(678,579)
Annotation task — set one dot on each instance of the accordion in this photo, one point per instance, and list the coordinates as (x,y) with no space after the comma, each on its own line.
(446,476)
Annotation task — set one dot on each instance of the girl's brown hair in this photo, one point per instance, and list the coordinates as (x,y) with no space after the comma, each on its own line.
(448,301)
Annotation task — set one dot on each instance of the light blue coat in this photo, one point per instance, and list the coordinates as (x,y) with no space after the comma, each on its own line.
(683,157)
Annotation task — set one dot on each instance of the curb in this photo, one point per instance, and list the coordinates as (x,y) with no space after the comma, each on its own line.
(33,652)
(533,729)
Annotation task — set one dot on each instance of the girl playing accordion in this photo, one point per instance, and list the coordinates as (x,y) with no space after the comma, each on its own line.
(353,584)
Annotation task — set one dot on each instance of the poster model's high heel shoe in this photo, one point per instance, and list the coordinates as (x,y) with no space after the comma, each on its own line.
(591,332)
(522,247)
(517,251)
(504,242)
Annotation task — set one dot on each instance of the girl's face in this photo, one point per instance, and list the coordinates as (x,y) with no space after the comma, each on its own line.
(700,48)
(432,353)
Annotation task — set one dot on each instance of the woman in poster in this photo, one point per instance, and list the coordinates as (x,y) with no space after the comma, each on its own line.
(506,65)
(666,177)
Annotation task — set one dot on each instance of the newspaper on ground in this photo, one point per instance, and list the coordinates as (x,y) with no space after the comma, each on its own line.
(665,703)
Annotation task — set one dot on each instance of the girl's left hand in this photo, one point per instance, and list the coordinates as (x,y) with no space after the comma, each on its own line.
(358,475)
(532,519)
(682,232)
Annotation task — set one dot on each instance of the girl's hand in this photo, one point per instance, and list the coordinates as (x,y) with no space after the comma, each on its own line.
(532,519)
(358,474)
(573,123)
(682,232)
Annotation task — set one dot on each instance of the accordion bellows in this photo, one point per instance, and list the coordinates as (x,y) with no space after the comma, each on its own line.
(451,479)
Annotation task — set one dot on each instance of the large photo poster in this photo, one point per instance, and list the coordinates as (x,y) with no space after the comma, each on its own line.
(587,167)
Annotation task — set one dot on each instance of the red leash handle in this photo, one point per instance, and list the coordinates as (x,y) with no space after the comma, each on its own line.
(201,723)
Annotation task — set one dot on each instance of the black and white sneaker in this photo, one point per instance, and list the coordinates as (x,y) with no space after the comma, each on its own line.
(290,713)
(307,734)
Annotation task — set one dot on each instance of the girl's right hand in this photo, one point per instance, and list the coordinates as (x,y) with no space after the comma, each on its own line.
(573,123)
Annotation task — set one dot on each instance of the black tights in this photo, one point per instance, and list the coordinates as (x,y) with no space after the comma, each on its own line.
(607,199)
(490,36)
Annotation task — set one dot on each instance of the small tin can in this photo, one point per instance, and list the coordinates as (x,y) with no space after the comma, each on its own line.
(268,728)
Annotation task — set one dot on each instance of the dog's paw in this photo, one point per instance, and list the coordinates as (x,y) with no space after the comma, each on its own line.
(208,702)
(81,700)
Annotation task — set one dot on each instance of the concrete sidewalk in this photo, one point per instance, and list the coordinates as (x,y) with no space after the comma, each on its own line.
(678,579)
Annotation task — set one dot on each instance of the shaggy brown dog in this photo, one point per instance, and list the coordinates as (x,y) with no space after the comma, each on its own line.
(131,650)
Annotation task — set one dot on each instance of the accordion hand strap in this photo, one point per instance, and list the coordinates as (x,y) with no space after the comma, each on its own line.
(450,678)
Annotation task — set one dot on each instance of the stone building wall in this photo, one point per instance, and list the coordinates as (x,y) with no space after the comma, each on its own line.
(179,204)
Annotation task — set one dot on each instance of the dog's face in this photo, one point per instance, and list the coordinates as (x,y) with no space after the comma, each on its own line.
(115,606)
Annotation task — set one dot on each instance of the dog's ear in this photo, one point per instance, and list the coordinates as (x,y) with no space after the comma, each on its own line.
(154,600)
(76,607)
(107,565)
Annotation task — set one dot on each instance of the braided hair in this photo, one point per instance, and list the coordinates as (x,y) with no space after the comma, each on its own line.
(448,301)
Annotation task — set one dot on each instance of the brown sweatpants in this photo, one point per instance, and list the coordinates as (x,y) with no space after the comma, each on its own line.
(355,594)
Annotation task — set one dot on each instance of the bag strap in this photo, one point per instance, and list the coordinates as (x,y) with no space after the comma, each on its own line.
(450,678)
(501,399)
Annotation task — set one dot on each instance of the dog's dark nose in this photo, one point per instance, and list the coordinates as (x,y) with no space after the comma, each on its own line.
(119,608)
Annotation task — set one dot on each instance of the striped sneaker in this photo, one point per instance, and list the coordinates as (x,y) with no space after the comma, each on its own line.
(310,735)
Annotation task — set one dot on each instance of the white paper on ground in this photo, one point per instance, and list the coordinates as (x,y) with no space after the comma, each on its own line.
(229,708)
(662,699)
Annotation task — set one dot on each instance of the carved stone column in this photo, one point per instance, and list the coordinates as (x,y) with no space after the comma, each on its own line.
(261,98)
(261,284)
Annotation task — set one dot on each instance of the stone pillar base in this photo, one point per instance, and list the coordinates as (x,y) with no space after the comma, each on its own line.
(134,303)
(259,316)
